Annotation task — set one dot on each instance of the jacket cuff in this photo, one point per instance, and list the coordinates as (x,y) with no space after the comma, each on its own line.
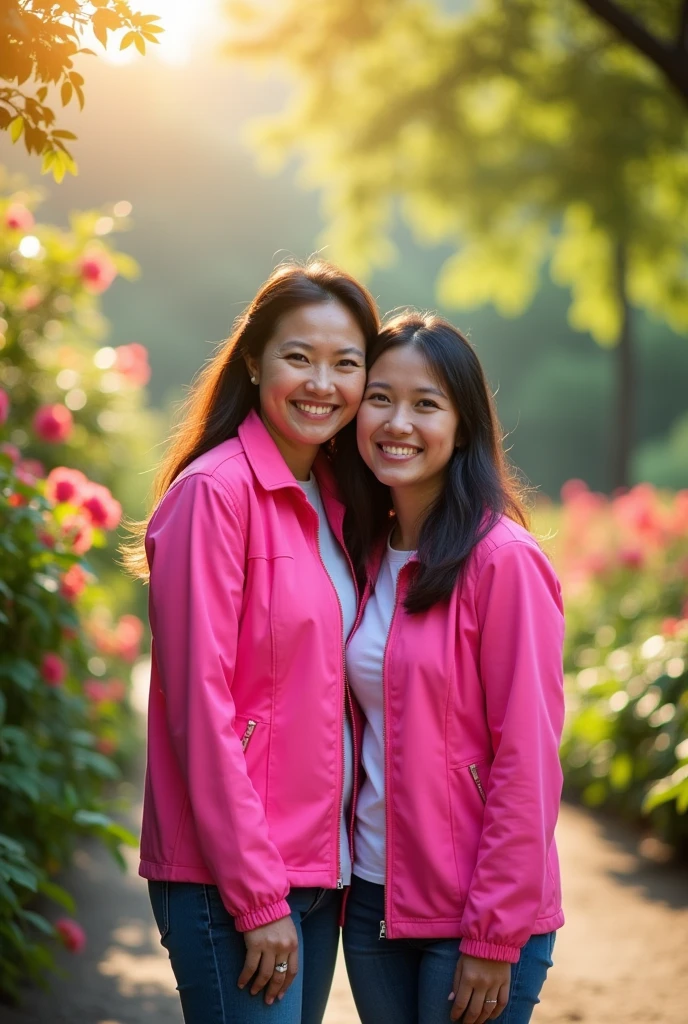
(490,950)
(262,915)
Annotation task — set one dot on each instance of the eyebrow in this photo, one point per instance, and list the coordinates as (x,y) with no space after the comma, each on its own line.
(418,391)
(351,350)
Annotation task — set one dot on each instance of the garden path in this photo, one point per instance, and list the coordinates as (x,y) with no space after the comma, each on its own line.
(623,955)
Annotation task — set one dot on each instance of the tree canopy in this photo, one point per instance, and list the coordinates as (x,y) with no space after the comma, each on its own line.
(39,40)
(521,132)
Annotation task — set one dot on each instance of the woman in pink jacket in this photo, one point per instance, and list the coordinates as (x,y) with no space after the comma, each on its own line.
(457,666)
(252,597)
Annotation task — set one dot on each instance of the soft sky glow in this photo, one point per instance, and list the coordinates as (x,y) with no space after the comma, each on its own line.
(189,25)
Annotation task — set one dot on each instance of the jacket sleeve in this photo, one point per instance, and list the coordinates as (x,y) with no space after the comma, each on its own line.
(520,619)
(196,553)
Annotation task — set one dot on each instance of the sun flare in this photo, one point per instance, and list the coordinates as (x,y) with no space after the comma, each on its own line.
(188,24)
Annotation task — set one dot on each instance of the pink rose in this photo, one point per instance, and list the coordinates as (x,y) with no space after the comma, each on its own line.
(132,362)
(632,558)
(103,510)
(95,690)
(65,485)
(11,451)
(573,489)
(78,533)
(4,406)
(53,669)
(97,271)
(18,218)
(71,933)
(30,471)
(73,582)
(53,423)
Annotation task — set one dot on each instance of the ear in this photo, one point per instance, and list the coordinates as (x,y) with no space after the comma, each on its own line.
(253,368)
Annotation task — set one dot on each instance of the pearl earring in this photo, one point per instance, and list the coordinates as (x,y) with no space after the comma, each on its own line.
(253,380)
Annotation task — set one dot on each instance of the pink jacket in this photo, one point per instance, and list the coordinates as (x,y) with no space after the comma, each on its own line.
(473,692)
(245,737)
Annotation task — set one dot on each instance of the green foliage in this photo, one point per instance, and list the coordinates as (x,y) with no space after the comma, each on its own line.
(52,772)
(624,567)
(38,44)
(520,133)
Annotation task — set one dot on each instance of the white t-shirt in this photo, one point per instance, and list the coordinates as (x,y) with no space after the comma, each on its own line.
(339,570)
(364,660)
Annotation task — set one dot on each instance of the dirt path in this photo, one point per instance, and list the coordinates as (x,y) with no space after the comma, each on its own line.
(623,955)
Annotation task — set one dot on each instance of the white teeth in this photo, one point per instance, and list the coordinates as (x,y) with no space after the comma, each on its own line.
(314,410)
(394,450)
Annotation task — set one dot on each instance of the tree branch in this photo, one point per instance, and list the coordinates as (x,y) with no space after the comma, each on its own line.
(671,61)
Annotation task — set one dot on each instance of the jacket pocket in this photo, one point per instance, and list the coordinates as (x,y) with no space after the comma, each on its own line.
(475,775)
(254,737)
(248,733)
(468,784)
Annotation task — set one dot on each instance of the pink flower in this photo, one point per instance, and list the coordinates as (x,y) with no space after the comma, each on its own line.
(132,362)
(97,271)
(73,582)
(103,510)
(11,451)
(46,538)
(128,634)
(31,298)
(30,471)
(64,484)
(53,423)
(669,627)
(78,533)
(71,933)
(18,218)
(53,669)
(572,489)
(632,558)
(96,690)
(4,406)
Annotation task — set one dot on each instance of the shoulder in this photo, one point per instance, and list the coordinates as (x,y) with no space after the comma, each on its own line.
(509,552)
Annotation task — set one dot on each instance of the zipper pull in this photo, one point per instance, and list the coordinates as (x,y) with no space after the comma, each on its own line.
(340,883)
(383,930)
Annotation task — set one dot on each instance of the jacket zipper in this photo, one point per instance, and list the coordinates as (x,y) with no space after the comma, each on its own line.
(473,769)
(383,924)
(248,733)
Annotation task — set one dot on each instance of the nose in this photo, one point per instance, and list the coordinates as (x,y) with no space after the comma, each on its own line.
(398,424)
(320,382)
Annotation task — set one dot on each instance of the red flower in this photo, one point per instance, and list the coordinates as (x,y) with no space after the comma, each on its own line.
(102,509)
(573,489)
(4,406)
(73,582)
(30,471)
(97,271)
(132,362)
(11,451)
(78,533)
(53,423)
(128,634)
(18,218)
(71,933)
(632,558)
(106,746)
(64,484)
(53,669)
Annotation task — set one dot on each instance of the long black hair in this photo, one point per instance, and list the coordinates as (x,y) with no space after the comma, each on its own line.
(480,485)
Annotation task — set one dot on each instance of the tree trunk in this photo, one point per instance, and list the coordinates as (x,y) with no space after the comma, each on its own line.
(625,381)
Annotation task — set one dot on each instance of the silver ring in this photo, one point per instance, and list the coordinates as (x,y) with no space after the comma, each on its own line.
(490,1000)
(281,968)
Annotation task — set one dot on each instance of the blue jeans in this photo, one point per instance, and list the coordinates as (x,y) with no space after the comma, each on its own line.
(207,954)
(408,981)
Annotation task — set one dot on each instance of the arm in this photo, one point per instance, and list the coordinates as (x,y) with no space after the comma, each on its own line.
(520,617)
(196,552)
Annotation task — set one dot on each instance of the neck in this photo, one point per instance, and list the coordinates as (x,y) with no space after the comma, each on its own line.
(298,457)
(411,505)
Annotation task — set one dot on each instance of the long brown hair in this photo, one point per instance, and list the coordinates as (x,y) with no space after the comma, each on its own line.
(221,396)
(480,484)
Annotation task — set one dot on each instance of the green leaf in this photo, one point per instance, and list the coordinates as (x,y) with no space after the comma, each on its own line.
(21,876)
(16,127)
(91,819)
(58,895)
(37,920)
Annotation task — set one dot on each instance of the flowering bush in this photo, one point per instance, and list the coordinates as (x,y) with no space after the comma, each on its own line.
(73,434)
(624,568)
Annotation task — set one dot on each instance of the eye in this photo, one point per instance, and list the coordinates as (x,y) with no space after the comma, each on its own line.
(377,396)
(297,355)
(427,403)
(348,362)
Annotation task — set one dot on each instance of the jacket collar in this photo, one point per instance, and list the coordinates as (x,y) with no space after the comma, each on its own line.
(267,462)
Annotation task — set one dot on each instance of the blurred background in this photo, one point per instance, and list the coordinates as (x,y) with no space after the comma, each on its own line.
(520,166)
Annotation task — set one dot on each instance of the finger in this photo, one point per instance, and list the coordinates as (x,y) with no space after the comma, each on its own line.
(474,1009)
(502,1000)
(457,979)
(265,972)
(276,983)
(292,971)
(463,998)
(489,1007)
(250,967)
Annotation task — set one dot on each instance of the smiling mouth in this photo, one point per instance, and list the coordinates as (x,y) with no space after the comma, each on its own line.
(315,410)
(399,451)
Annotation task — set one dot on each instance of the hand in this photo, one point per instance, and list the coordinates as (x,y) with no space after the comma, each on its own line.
(476,980)
(266,946)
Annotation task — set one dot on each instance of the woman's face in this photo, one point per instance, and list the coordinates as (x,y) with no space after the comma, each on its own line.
(407,427)
(311,374)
